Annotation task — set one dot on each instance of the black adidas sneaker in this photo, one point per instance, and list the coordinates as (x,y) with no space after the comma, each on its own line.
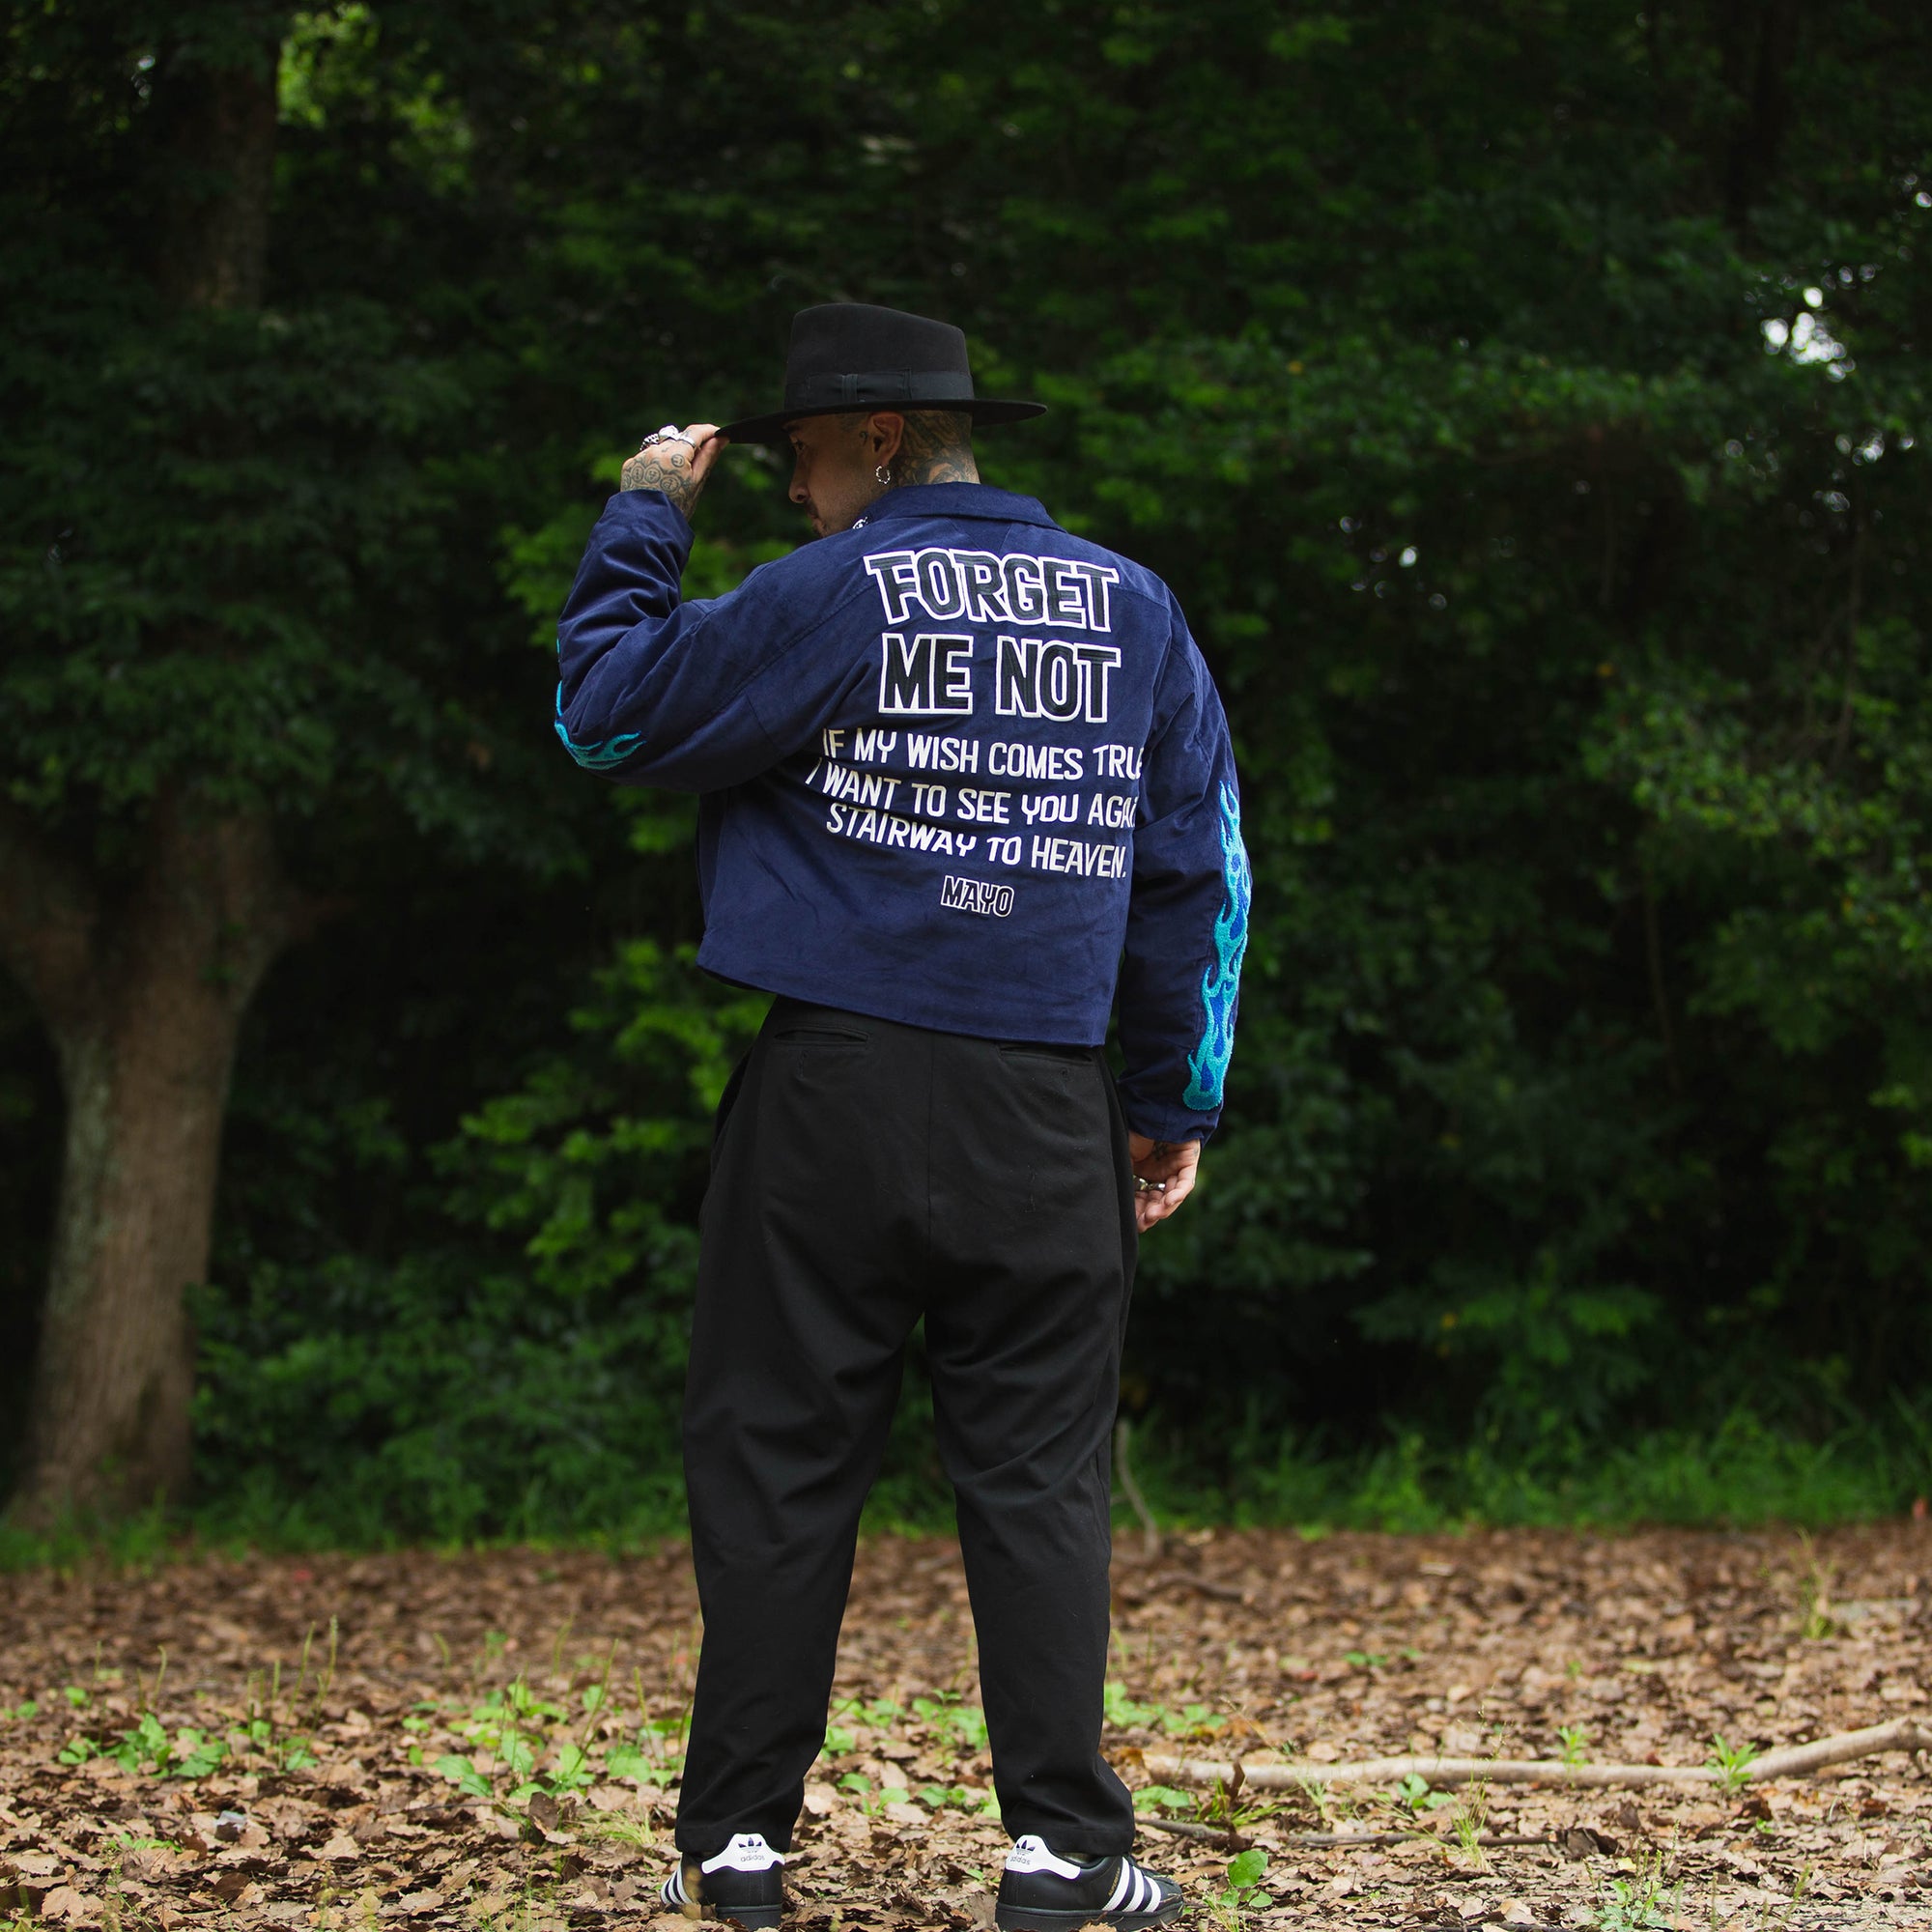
(744,1882)
(1040,1892)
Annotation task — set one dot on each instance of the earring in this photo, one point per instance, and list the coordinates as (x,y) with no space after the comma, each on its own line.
(882,476)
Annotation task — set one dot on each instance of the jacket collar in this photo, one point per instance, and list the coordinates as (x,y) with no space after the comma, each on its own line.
(959,499)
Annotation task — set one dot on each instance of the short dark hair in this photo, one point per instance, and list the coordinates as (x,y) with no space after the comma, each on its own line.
(941,428)
(934,428)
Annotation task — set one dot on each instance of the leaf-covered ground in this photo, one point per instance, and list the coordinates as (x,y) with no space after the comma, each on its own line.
(493,1739)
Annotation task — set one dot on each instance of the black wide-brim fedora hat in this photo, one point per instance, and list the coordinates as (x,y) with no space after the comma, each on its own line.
(850,356)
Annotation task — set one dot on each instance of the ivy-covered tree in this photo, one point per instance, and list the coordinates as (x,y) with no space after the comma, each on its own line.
(231,648)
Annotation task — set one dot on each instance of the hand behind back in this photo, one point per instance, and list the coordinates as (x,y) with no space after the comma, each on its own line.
(1170,1168)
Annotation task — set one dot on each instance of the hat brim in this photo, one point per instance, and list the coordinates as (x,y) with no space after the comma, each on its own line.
(984,412)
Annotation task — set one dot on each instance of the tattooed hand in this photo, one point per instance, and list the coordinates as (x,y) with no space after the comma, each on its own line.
(1164,1172)
(676,467)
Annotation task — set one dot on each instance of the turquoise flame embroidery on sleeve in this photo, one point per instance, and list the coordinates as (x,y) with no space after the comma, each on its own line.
(596,757)
(1209,1062)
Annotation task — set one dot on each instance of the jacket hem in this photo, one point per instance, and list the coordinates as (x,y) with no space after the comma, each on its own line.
(884,1001)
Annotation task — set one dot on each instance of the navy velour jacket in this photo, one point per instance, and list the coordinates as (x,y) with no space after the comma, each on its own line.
(958,768)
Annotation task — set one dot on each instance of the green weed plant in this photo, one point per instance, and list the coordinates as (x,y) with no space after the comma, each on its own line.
(1244,1891)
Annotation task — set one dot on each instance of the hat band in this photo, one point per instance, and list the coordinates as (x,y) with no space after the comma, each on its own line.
(878,388)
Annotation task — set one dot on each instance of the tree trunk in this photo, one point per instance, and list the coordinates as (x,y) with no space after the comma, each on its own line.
(216,125)
(144,993)
(1757,43)
(144,1002)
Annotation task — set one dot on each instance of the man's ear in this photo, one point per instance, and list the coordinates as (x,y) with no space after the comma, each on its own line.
(887,430)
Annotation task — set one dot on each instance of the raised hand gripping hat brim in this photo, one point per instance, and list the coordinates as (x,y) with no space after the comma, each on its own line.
(850,356)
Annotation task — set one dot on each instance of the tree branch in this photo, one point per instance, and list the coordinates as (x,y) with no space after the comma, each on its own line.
(1902,1734)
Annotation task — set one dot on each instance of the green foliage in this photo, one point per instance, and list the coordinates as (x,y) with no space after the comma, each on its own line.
(1528,414)
(1164,1798)
(960,1727)
(227,569)
(873,1799)
(464,1774)
(550,1330)
(1639,1904)
(1196,1720)
(1243,1891)
(134,1542)
(1414,1794)
(523,1745)
(1741,1469)
(1732,1763)
(147,1748)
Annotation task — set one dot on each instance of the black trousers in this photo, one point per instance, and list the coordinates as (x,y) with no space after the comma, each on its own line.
(866,1175)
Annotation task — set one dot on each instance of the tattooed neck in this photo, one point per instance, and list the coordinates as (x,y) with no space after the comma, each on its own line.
(937,447)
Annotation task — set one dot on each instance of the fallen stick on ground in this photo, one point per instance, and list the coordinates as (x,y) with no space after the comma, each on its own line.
(1489,1840)
(1902,1734)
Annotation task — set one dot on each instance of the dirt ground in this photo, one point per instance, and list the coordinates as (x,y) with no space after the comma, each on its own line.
(493,1741)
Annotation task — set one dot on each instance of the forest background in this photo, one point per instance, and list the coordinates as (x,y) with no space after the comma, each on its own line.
(1524,401)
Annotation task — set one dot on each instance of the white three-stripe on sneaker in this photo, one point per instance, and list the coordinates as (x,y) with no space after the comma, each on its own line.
(672,1890)
(1134,1891)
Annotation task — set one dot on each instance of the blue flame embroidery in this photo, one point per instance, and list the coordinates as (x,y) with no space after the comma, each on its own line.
(1209,1062)
(596,757)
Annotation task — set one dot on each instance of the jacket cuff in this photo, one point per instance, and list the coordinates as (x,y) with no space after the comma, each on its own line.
(655,511)
(1168,1124)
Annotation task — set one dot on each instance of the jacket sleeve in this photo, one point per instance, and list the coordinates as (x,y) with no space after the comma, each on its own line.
(655,691)
(1188,918)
